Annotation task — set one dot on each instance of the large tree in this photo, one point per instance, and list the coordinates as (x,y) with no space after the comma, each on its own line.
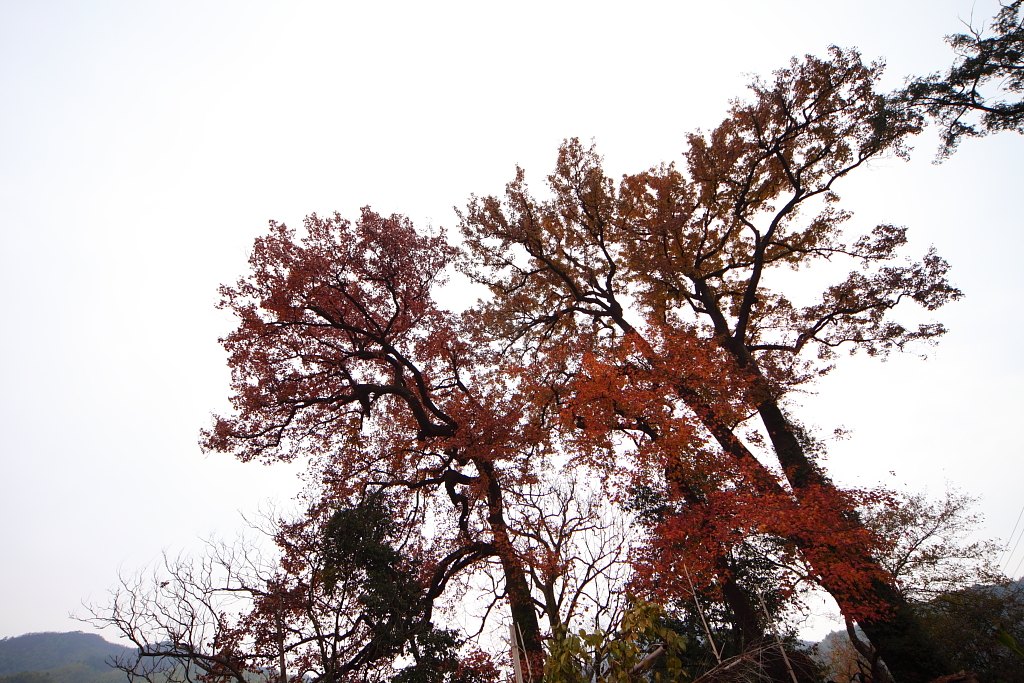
(670,278)
(343,356)
(646,330)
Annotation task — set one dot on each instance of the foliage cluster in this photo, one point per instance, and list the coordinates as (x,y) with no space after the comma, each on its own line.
(613,415)
(983,91)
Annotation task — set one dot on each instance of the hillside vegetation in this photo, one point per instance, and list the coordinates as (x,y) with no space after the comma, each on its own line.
(59,658)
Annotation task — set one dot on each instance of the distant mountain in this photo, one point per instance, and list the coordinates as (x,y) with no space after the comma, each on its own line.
(59,658)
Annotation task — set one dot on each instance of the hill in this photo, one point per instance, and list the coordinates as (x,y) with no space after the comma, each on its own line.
(74,657)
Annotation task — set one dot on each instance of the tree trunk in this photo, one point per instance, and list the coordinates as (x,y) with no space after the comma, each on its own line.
(897,635)
(738,601)
(517,588)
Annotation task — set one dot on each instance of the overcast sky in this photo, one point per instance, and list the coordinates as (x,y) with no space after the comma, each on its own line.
(143,145)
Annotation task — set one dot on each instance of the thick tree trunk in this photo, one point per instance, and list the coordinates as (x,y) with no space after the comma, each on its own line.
(801,472)
(897,636)
(744,614)
(517,588)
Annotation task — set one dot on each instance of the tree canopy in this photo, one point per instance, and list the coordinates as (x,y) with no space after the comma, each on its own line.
(604,444)
(981,93)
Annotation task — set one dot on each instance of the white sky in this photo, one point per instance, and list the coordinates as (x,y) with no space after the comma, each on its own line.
(143,145)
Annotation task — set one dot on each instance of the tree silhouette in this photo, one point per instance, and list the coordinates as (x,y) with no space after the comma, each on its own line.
(641,333)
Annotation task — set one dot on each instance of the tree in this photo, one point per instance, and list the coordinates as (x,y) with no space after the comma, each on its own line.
(952,582)
(926,548)
(180,619)
(977,627)
(576,548)
(342,356)
(705,341)
(347,597)
(631,333)
(927,545)
(981,92)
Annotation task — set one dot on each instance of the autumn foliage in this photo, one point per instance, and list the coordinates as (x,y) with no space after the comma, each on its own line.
(640,335)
